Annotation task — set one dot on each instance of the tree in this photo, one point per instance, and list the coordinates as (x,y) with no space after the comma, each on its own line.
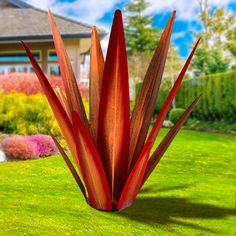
(141,37)
(217,51)
(141,41)
(231,39)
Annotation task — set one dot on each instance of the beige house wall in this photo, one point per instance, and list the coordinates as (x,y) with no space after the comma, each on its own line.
(73,50)
(72,47)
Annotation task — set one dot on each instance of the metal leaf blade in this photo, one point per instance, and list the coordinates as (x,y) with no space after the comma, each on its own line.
(134,180)
(95,82)
(160,118)
(146,99)
(114,111)
(71,167)
(57,108)
(91,167)
(69,82)
(156,156)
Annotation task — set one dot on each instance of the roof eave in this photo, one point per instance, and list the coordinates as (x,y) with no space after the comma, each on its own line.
(48,37)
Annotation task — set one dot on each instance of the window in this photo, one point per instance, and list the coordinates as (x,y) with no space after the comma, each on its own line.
(6,69)
(52,56)
(17,62)
(17,57)
(53,69)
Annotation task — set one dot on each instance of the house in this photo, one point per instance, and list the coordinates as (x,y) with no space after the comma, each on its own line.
(21,21)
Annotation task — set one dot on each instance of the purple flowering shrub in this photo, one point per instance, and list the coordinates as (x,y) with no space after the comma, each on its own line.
(29,147)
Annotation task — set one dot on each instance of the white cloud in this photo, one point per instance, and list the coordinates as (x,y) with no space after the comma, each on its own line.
(43,4)
(88,11)
(186,9)
(177,35)
(91,11)
(85,10)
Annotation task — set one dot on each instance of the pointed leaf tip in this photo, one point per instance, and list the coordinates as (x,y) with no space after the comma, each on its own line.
(118,12)
(146,99)
(49,13)
(95,81)
(68,78)
(94,28)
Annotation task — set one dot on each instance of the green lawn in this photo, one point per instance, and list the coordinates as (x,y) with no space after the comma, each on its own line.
(192,192)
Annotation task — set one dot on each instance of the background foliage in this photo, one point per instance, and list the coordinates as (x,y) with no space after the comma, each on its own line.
(216,104)
(22,114)
(29,84)
(218,96)
(217,51)
(29,147)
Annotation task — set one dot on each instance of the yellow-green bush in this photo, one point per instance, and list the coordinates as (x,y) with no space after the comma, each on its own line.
(22,114)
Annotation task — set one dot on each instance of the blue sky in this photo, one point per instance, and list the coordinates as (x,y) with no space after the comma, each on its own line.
(100,13)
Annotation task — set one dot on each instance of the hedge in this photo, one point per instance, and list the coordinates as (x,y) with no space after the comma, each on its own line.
(218,101)
(175,114)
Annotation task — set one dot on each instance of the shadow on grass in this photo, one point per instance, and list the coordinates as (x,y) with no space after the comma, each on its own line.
(153,188)
(165,210)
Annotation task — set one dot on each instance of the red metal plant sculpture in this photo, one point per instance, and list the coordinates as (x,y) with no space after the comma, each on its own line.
(110,150)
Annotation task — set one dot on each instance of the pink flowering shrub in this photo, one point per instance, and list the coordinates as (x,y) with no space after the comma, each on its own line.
(19,147)
(29,84)
(28,147)
(45,146)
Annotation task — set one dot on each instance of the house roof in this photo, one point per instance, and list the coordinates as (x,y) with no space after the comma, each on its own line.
(18,3)
(25,22)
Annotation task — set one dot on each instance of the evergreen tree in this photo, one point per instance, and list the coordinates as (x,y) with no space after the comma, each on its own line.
(142,40)
(140,36)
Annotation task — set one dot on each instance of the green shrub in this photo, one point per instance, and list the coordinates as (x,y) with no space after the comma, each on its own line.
(175,114)
(162,95)
(218,101)
(25,115)
(137,89)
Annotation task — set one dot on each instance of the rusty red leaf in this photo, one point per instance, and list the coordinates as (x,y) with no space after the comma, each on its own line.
(114,111)
(158,153)
(57,108)
(134,180)
(146,99)
(91,167)
(69,81)
(71,167)
(95,82)
(161,116)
